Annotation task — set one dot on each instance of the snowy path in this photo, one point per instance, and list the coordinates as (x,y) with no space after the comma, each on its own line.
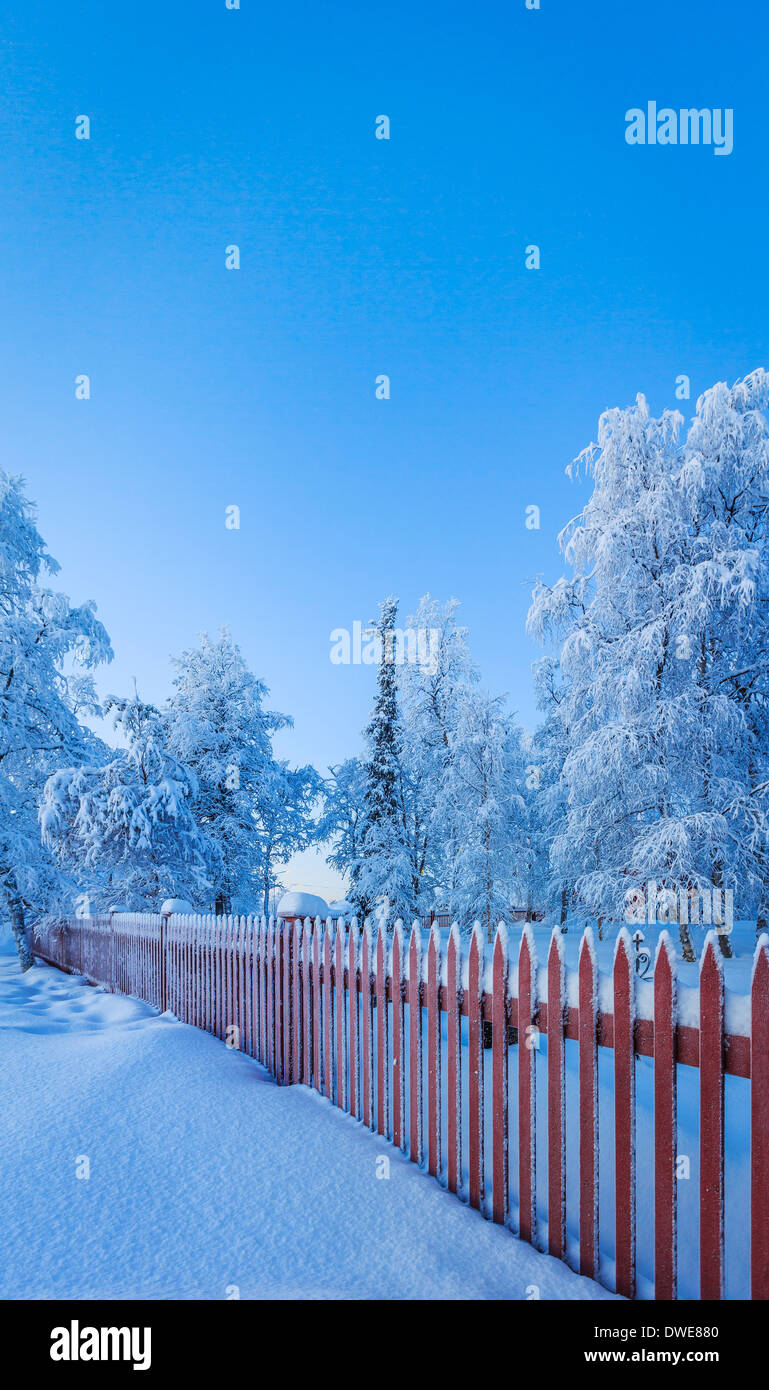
(206,1178)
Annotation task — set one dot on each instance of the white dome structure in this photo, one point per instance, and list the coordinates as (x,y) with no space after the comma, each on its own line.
(180,906)
(297,904)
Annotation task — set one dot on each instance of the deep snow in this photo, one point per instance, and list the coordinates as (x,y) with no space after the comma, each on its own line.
(206,1179)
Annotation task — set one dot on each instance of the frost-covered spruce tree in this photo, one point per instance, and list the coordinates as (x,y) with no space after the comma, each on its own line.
(46,646)
(384,872)
(218,727)
(485,812)
(129,824)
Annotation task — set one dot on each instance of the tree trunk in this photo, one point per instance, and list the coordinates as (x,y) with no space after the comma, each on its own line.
(761,923)
(686,942)
(723,937)
(564,907)
(18,925)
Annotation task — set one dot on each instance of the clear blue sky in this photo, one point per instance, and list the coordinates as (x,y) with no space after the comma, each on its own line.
(359,256)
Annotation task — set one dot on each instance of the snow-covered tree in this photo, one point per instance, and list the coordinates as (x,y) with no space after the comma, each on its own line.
(383,870)
(129,824)
(438,813)
(484,804)
(721,600)
(663,630)
(217,726)
(342,817)
(285,822)
(432,691)
(547,792)
(46,648)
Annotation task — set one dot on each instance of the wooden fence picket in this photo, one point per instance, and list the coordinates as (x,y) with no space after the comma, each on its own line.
(296,1003)
(711,1122)
(556,1101)
(499,1120)
(528,1044)
(328,1049)
(588,1108)
(367,1032)
(415,1046)
(433,1056)
(307,1002)
(340,1017)
(263,1014)
(353,1050)
(287,965)
(316,1007)
(759,1123)
(665,1106)
(381,1031)
(270,992)
(454,1062)
(475,1065)
(624,1116)
(398,1055)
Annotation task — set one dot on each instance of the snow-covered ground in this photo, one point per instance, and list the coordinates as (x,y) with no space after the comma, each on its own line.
(206,1179)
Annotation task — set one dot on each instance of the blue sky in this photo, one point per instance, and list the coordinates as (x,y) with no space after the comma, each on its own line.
(255,388)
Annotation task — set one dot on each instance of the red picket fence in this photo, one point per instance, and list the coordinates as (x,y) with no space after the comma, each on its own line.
(395,1036)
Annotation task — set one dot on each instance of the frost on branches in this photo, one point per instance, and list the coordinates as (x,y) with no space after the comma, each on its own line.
(382,871)
(128,826)
(253,807)
(485,813)
(436,814)
(664,656)
(46,649)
